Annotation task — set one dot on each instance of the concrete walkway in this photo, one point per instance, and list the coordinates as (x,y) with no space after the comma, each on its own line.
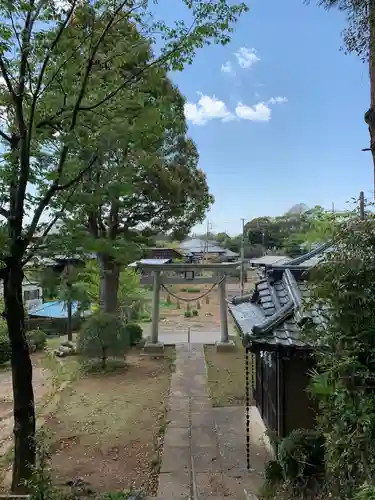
(193,465)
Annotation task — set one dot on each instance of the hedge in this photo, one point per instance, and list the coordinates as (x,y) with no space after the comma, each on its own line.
(53,326)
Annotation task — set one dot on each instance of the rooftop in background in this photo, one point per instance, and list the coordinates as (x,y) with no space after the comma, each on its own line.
(197,245)
(269,260)
(152,262)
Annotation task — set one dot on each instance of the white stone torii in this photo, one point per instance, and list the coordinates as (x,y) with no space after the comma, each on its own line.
(158,278)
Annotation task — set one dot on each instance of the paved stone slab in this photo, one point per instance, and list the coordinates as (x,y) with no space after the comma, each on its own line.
(206,459)
(176,459)
(176,436)
(204,448)
(178,418)
(203,436)
(174,486)
(211,484)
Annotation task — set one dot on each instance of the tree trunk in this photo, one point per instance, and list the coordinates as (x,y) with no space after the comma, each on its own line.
(69,323)
(69,302)
(23,394)
(109,283)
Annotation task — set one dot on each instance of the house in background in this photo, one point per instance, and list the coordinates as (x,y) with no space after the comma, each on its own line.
(270,320)
(167,253)
(32,294)
(200,249)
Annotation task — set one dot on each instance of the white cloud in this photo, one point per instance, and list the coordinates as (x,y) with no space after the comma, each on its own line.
(258,113)
(246,58)
(277,100)
(227,67)
(208,108)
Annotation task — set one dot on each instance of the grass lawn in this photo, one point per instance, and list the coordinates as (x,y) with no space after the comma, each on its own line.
(226,375)
(108,428)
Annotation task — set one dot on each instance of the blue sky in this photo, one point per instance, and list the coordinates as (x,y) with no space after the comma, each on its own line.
(285,124)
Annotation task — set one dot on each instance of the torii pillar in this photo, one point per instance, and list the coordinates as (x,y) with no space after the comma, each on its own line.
(225,343)
(153,346)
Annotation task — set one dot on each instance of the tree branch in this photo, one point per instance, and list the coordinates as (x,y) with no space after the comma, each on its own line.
(136,76)
(4,212)
(43,69)
(54,188)
(6,77)
(5,136)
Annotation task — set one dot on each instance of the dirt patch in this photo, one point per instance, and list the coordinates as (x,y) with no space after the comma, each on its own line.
(108,427)
(226,375)
(42,386)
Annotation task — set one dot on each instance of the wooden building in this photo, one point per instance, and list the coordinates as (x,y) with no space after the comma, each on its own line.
(164,253)
(270,320)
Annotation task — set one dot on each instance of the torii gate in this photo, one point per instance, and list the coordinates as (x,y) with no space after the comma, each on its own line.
(184,273)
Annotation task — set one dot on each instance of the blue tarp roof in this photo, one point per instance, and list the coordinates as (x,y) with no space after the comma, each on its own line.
(55,309)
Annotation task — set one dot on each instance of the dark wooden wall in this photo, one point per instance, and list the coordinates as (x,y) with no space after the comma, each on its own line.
(299,409)
(281,394)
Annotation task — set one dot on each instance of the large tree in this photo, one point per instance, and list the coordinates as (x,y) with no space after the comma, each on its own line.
(44,116)
(147,178)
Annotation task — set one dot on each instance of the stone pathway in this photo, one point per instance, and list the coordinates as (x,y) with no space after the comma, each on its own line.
(195,464)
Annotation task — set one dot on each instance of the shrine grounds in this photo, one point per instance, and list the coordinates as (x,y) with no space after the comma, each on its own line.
(106,429)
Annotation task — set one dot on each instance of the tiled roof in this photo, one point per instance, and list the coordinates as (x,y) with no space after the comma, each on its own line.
(273,314)
(197,245)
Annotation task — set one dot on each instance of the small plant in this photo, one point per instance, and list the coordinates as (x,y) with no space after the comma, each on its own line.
(187,314)
(5,351)
(103,335)
(273,473)
(193,290)
(194,312)
(40,485)
(134,332)
(37,340)
(198,305)
(301,455)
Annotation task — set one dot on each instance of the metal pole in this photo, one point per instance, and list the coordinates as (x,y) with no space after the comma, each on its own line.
(242,270)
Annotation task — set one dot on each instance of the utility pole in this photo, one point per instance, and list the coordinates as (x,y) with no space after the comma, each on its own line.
(242,269)
(362,205)
(205,250)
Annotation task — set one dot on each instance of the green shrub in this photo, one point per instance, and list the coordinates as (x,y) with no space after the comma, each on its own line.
(365,492)
(195,312)
(273,473)
(187,314)
(103,335)
(193,290)
(301,455)
(5,351)
(134,332)
(36,340)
